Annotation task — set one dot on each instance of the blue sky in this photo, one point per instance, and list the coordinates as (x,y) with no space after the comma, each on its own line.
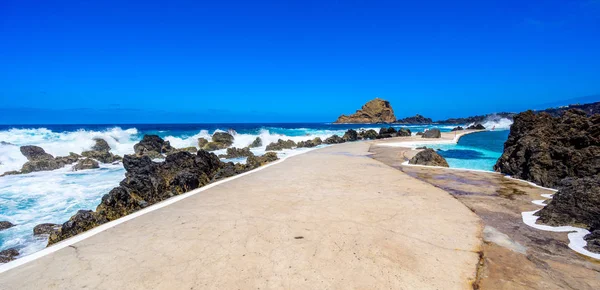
(289,61)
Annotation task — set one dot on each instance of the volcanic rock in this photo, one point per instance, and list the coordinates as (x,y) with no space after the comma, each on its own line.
(86,163)
(8,255)
(476,127)
(459,128)
(202,142)
(335,139)
(404,132)
(545,149)
(350,135)
(368,134)
(280,145)
(152,146)
(45,229)
(256,161)
(430,158)
(256,143)
(220,140)
(375,111)
(309,143)
(417,119)
(432,133)
(35,153)
(386,133)
(82,221)
(5,225)
(101,145)
(236,152)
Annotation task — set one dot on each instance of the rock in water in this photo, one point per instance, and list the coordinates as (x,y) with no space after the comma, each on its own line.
(220,140)
(35,153)
(350,135)
(101,145)
(459,128)
(375,111)
(545,149)
(153,146)
(82,221)
(86,163)
(5,225)
(432,133)
(309,143)
(202,142)
(236,153)
(335,139)
(8,255)
(576,203)
(476,127)
(417,119)
(404,132)
(256,143)
(280,145)
(254,161)
(45,229)
(369,134)
(387,133)
(430,158)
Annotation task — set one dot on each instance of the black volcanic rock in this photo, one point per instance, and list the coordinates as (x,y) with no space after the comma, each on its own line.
(236,153)
(101,145)
(459,128)
(576,203)
(35,153)
(8,255)
(387,133)
(368,134)
(430,158)
(256,143)
(280,145)
(417,119)
(403,132)
(5,225)
(86,163)
(45,229)
(152,146)
(350,135)
(309,143)
(335,139)
(477,119)
(80,222)
(476,127)
(545,149)
(432,133)
(593,240)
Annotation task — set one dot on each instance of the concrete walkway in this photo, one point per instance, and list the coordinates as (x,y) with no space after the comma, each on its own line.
(328,219)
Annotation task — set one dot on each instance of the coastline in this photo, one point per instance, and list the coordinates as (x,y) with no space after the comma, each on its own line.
(308,211)
(575,234)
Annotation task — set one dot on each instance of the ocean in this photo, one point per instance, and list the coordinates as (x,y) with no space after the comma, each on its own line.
(54,196)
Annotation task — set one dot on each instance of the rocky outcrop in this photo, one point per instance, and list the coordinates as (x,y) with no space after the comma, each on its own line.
(236,153)
(368,134)
(202,142)
(256,143)
(310,143)
(545,149)
(34,153)
(476,127)
(190,149)
(375,111)
(230,169)
(477,119)
(8,255)
(39,160)
(101,152)
(593,240)
(430,158)
(403,132)
(576,203)
(417,119)
(5,225)
(432,133)
(350,135)
(101,145)
(82,221)
(86,163)
(459,128)
(220,140)
(45,229)
(280,145)
(152,146)
(256,161)
(386,133)
(335,139)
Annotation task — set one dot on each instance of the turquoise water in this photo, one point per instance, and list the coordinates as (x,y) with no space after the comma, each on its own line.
(478,151)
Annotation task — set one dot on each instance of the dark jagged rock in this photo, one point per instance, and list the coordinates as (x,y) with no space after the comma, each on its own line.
(256,161)
(202,142)
(350,135)
(190,149)
(220,140)
(374,111)
(45,229)
(5,225)
(459,128)
(82,221)
(477,119)
(386,133)
(545,149)
(419,133)
(404,132)
(432,133)
(335,139)
(430,158)
(107,157)
(280,145)
(64,160)
(309,143)
(576,203)
(476,127)
(101,145)
(152,146)
(230,169)
(593,240)
(8,255)
(35,153)
(368,134)
(417,119)
(256,143)
(86,163)
(236,152)
(7,143)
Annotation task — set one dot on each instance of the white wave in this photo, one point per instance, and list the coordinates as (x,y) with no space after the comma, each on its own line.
(61,143)
(495,122)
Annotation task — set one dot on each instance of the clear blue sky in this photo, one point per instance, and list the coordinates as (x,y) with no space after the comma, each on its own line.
(251,61)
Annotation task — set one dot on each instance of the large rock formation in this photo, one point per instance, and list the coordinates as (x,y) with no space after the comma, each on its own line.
(432,133)
(375,111)
(428,157)
(39,160)
(101,152)
(417,119)
(153,147)
(220,140)
(545,149)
